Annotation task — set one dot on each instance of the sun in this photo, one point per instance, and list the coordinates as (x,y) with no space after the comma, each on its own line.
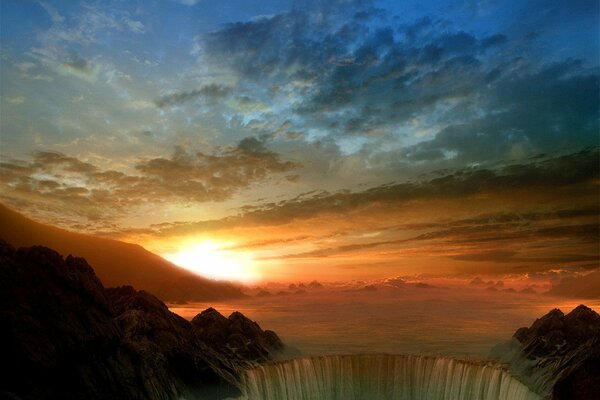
(212,260)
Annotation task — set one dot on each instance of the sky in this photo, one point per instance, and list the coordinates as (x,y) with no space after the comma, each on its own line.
(285,140)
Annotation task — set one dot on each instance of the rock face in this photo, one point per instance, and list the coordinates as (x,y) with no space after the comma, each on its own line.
(63,335)
(558,355)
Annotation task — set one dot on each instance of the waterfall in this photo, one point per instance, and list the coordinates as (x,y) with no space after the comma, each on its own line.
(381,377)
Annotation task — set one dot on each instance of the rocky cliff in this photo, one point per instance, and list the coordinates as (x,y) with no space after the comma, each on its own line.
(558,355)
(63,335)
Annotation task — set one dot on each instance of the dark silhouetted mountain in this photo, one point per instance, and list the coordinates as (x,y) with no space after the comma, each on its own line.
(64,336)
(558,355)
(581,287)
(243,336)
(116,263)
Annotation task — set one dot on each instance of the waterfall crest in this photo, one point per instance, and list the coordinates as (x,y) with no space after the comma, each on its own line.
(381,377)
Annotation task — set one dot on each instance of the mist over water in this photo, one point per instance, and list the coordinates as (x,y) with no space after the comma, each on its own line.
(457,322)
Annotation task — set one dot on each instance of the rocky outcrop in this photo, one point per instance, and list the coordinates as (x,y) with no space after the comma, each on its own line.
(558,355)
(238,334)
(65,336)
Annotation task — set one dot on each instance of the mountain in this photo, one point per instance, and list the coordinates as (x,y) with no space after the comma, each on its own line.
(116,263)
(558,355)
(64,336)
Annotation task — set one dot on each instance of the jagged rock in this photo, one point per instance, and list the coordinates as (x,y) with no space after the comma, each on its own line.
(237,333)
(558,355)
(65,336)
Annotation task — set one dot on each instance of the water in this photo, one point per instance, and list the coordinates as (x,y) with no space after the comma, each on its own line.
(382,377)
(458,322)
(441,325)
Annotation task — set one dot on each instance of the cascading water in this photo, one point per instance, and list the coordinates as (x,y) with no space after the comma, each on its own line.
(381,377)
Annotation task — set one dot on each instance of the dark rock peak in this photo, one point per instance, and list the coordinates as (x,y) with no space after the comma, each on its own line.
(5,248)
(237,332)
(210,324)
(68,337)
(239,322)
(125,298)
(210,312)
(558,355)
(236,315)
(583,313)
(548,332)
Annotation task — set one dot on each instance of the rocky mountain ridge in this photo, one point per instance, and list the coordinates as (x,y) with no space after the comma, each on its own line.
(558,355)
(65,336)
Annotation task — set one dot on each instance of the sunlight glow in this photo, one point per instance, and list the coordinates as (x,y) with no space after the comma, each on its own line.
(211,260)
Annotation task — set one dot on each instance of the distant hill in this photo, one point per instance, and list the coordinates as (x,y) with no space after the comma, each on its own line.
(116,263)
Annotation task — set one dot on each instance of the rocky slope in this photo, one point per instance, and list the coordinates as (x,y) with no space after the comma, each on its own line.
(63,335)
(558,355)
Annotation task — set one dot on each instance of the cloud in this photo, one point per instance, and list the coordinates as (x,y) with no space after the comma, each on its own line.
(545,177)
(182,177)
(187,2)
(212,93)
(79,67)
(449,96)
(55,16)
(16,100)
(566,116)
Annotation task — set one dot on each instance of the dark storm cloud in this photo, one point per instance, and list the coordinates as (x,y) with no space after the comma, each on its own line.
(185,176)
(212,92)
(480,100)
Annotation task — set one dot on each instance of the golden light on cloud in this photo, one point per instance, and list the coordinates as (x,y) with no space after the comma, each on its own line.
(211,260)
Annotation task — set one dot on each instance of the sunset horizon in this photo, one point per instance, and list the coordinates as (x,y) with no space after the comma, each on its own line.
(300,199)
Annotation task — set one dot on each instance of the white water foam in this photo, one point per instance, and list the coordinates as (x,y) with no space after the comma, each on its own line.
(382,377)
